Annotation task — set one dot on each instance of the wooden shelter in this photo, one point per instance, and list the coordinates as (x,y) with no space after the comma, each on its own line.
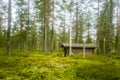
(78,48)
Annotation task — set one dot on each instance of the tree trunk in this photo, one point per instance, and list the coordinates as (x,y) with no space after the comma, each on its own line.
(33,42)
(45,27)
(21,33)
(52,32)
(98,30)
(27,41)
(109,47)
(117,31)
(70,35)
(0,25)
(76,27)
(8,45)
(0,20)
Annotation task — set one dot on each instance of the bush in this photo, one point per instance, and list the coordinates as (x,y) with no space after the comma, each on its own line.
(93,72)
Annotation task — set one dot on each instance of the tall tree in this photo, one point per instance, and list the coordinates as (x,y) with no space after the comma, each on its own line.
(8,46)
(45,27)
(117,28)
(33,35)
(61,15)
(3,20)
(52,32)
(44,9)
(110,30)
(22,21)
(106,27)
(1,16)
(81,23)
(89,40)
(28,23)
(0,24)
(77,21)
(70,28)
(98,27)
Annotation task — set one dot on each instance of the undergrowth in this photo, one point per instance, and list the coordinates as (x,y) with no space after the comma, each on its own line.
(28,65)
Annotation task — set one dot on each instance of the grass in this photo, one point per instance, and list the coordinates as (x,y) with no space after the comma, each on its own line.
(37,66)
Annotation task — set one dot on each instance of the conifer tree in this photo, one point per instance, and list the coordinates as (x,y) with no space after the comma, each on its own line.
(8,46)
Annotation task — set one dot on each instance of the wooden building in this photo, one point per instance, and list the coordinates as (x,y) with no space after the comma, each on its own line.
(78,48)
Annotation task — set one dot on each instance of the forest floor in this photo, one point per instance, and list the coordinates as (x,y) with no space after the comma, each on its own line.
(37,66)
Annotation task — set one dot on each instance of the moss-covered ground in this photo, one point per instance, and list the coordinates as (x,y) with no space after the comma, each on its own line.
(38,66)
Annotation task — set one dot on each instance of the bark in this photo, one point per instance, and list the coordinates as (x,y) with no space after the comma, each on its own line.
(27,42)
(76,27)
(0,25)
(21,32)
(0,20)
(98,30)
(70,41)
(81,30)
(52,32)
(109,35)
(45,27)
(117,31)
(8,45)
(33,42)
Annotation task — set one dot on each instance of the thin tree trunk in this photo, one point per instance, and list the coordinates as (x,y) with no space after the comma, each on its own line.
(98,30)
(88,36)
(0,25)
(117,29)
(64,29)
(0,21)
(8,46)
(45,27)
(52,32)
(27,41)
(70,41)
(118,50)
(76,30)
(110,31)
(33,42)
(21,33)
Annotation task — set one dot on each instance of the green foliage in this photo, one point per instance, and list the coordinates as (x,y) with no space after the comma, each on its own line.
(89,39)
(2,41)
(37,66)
(94,72)
(106,29)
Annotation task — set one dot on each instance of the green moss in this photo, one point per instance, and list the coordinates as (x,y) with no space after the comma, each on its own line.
(26,65)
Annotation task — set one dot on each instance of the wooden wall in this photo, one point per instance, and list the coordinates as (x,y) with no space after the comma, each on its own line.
(79,50)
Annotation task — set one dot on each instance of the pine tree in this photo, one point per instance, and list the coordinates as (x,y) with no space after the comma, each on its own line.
(22,21)
(98,28)
(118,28)
(52,32)
(106,29)
(8,46)
(77,23)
